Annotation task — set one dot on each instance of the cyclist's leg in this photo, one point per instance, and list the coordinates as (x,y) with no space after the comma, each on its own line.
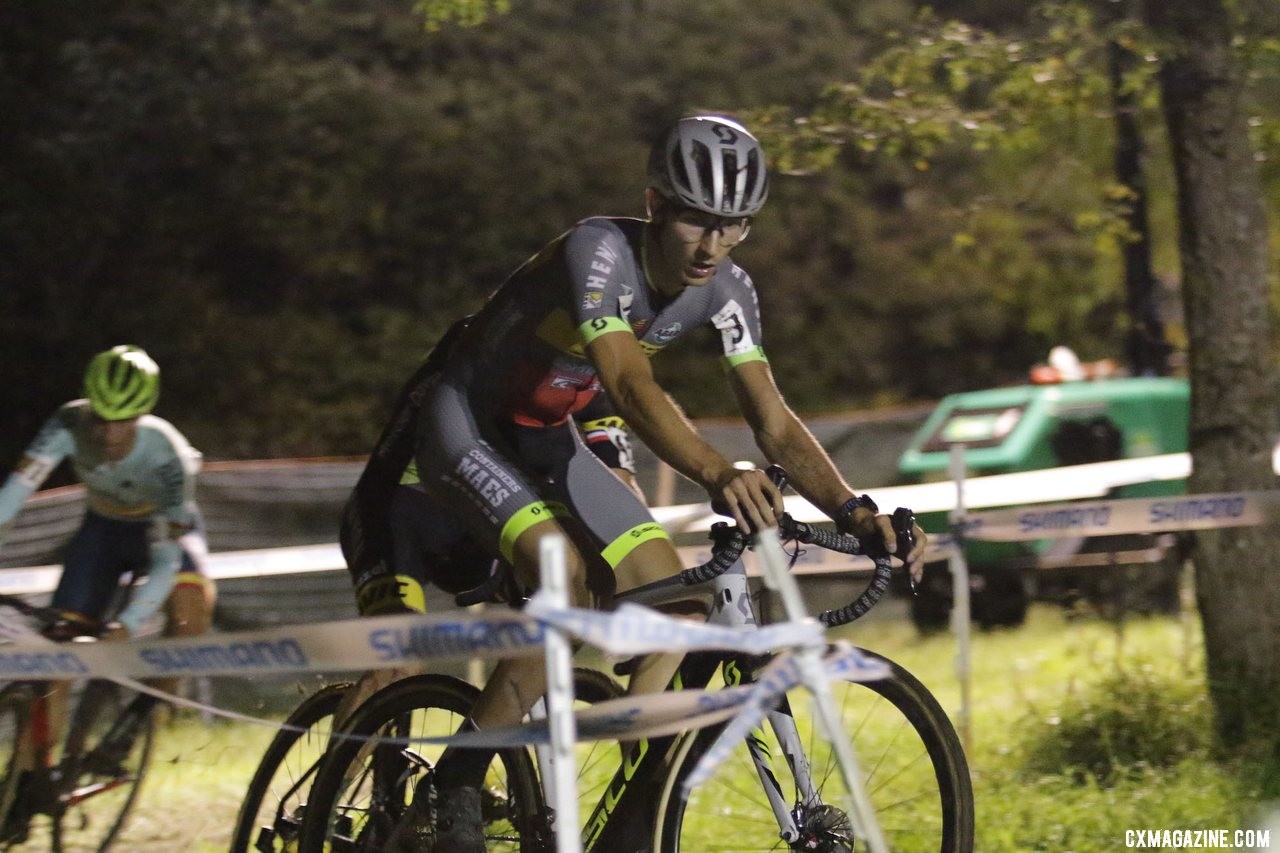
(189,609)
(106,751)
(635,547)
(379,535)
(470,464)
(99,553)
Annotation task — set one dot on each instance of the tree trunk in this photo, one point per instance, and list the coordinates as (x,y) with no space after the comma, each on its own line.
(1223,240)
(1146,347)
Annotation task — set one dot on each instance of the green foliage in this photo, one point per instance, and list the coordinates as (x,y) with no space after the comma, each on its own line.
(1055,666)
(1134,719)
(244,187)
(467,13)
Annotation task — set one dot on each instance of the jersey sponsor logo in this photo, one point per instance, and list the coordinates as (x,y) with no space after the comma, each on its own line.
(486,478)
(591,300)
(624,302)
(732,323)
(566,381)
(601,267)
(667,334)
(606,258)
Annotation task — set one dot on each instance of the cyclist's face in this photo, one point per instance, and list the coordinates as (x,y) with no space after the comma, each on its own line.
(113,439)
(694,243)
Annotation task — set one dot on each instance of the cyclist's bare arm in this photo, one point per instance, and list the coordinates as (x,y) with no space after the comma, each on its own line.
(786,441)
(628,378)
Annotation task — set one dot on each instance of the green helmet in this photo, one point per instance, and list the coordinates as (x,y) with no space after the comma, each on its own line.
(122,383)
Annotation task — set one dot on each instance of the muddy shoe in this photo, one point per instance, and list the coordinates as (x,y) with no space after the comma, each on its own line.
(458,821)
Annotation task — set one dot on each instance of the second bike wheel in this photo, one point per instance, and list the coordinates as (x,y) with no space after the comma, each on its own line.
(95,801)
(15,711)
(270,818)
(912,762)
(364,790)
(596,761)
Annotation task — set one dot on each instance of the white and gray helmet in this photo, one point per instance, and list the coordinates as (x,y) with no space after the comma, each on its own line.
(710,163)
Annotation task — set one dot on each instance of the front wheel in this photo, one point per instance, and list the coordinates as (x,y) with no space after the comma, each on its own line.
(101,782)
(15,713)
(911,759)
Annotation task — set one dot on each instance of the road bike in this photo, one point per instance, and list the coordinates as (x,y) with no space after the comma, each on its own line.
(781,791)
(78,791)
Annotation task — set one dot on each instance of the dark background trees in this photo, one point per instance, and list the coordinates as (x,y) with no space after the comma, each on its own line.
(287,201)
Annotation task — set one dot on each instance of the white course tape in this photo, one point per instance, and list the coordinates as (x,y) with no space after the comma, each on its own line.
(355,644)
(625,718)
(633,630)
(386,641)
(1128,515)
(843,663)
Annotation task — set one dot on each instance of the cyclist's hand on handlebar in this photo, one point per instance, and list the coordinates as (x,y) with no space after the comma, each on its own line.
(867,525)
(754,502)
(910,560)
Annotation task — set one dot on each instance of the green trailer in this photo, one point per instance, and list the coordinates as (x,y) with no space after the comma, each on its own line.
(1029,428)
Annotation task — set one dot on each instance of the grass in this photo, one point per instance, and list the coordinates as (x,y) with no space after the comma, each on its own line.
(1080,732)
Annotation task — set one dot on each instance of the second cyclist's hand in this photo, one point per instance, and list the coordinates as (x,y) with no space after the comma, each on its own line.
(753,501)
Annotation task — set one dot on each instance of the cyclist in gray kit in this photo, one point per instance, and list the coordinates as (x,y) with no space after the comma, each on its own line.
(496,446)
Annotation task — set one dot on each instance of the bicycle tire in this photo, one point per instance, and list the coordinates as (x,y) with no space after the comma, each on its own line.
(270,817)
(95,806)
(596,761)
(339,820)
(15,712)
(900,734)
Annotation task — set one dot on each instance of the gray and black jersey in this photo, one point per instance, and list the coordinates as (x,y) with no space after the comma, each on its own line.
(493,440)
(525,351)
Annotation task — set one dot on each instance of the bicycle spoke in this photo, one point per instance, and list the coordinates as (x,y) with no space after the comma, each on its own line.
(898,733)
(103,779)
(271,813)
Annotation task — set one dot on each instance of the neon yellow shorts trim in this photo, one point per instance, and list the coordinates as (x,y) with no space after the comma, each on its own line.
(617,550)
(523,519)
